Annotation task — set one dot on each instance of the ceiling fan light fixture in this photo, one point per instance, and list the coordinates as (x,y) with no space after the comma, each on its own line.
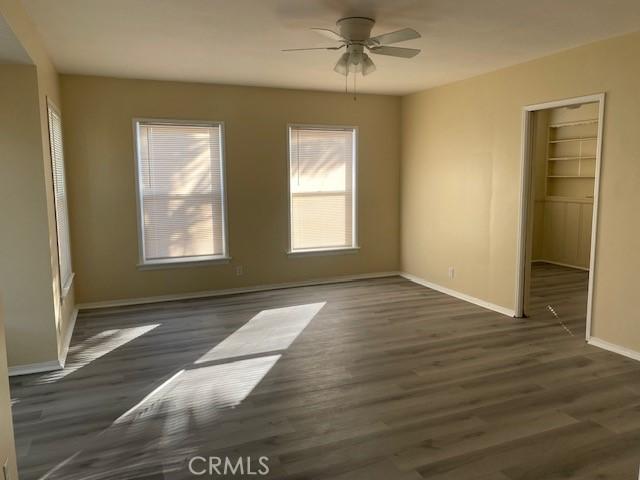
(342,67)
(356,56)
(355,67)
(367,65)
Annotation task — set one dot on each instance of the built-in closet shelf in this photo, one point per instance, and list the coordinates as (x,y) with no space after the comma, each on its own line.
(557,159)
(571,158)
(569,199)
(570,176)
(564,179)
(575,139)
(591,121)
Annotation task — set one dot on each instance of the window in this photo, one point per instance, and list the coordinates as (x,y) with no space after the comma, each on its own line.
(60,198)
(322,183)
(181,199)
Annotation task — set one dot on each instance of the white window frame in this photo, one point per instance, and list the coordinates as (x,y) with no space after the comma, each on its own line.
(354,248)
(65,283)
(143,263)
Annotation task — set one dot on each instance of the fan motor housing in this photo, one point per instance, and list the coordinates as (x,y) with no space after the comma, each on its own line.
(355,29)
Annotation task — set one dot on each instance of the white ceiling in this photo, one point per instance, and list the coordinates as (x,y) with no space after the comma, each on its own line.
(239,41)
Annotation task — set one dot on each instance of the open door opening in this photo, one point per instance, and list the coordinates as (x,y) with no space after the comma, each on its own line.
(562,147)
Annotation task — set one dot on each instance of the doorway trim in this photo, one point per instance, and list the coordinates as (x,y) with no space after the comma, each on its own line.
(525,189)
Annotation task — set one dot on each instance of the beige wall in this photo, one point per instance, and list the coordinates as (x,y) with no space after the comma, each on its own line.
(33,345)
(461,170)
(98,116)
(7,446)
(26,276)
(539,157)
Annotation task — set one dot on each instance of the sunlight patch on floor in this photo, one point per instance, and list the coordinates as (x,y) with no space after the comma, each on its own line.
(194,398)
(269,331)
(93,348)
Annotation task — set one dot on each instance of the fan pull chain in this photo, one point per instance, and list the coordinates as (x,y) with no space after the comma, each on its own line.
(355,75)
(298,155)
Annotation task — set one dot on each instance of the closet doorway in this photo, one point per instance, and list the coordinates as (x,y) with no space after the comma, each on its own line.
(561,158)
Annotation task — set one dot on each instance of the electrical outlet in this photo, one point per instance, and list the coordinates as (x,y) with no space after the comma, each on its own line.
(239,270)
(452,273)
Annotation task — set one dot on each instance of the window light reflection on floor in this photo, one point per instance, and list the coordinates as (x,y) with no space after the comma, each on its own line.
(269,331)
(93,348)
(193,399)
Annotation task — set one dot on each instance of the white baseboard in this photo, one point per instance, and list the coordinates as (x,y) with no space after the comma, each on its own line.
(34,368)
(560,264)
(233,291)
(67,338)
(612,347)
(462,296)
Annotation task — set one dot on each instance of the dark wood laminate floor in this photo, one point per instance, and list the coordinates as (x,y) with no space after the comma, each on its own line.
(376,379)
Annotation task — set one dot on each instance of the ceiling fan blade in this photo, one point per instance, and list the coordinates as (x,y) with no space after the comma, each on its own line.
(394,37)
(342,67)
(314,48)
(328,33)
(367,65)
(395,51)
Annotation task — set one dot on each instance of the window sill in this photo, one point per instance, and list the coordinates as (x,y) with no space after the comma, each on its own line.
(184,262)
(67,287)
(323,251)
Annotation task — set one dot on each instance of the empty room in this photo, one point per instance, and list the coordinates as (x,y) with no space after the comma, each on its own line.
(319,240)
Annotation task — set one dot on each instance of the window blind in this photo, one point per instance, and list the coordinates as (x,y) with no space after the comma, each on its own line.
(60,196)
(321,184)
(181,191)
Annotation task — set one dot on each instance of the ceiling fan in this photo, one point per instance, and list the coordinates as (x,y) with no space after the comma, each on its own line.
(354,34)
